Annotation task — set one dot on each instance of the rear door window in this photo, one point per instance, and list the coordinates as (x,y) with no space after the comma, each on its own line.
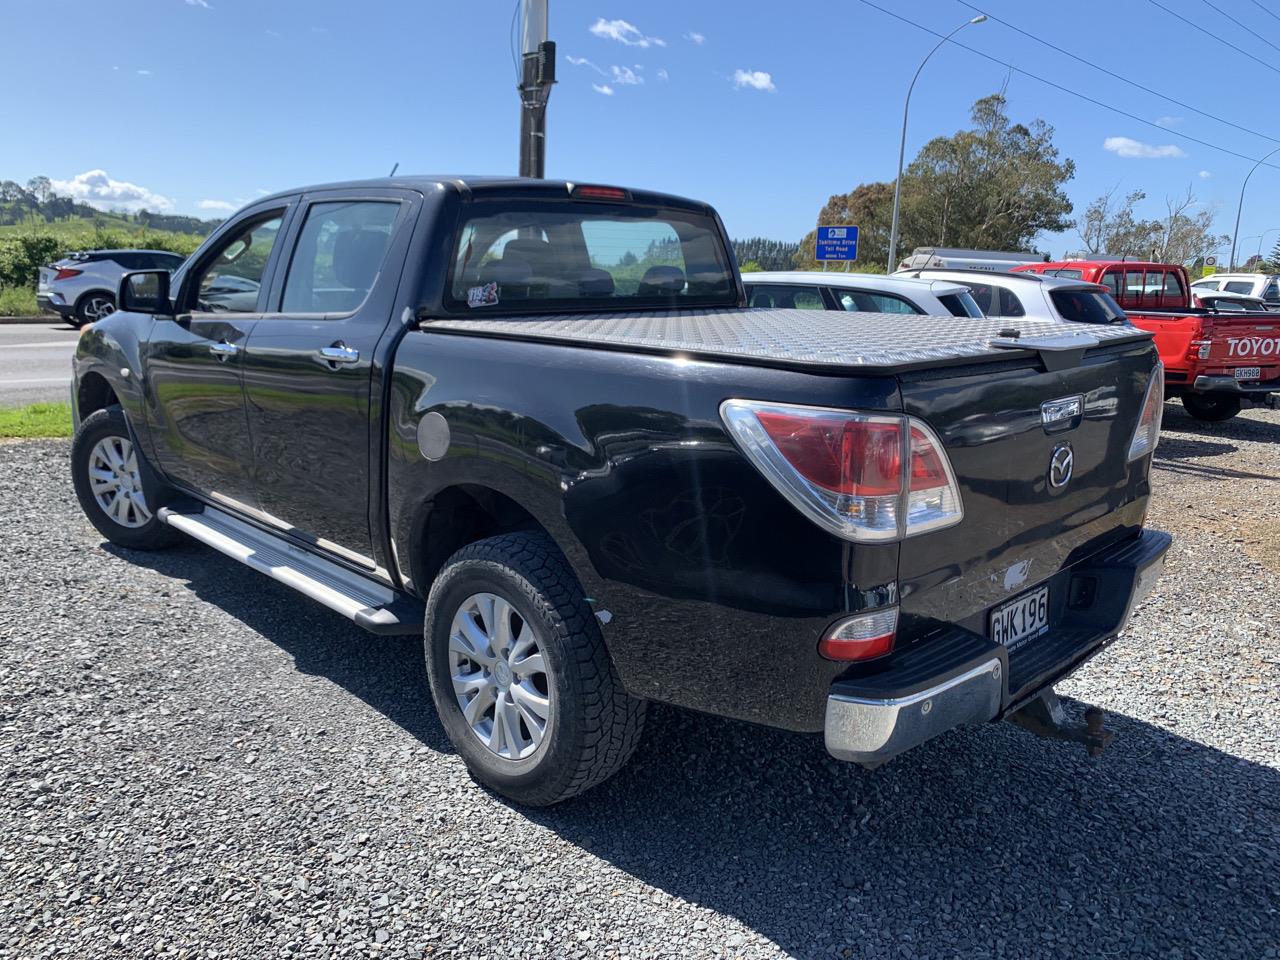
(1272,291)
(872,301)
(1087,306)
(1239,286)
(996,301)
(960,304)
(785,296)
(338,256)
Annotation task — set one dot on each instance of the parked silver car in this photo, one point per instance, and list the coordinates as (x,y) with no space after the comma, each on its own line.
(82,287)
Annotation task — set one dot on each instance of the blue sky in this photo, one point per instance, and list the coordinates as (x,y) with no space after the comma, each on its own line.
(762,109)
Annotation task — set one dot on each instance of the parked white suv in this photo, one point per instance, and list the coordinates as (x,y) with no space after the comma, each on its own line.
(81,287)
(1032,295)
(859,293)
(1264,285)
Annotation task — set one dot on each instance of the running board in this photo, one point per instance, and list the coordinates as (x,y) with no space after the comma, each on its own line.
(375,607)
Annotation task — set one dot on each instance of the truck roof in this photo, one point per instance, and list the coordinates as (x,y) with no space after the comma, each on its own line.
(808,339)
(493,186)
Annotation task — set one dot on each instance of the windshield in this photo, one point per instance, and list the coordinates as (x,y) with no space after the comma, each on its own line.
(1087,306)
(588,257)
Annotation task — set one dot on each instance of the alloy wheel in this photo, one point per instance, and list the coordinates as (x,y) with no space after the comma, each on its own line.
(115,482)
(99,307)
(499,676)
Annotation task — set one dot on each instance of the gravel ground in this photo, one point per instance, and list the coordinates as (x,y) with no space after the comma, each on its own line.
(198,763)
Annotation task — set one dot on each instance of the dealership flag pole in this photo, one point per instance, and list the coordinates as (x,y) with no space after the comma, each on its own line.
(537,74)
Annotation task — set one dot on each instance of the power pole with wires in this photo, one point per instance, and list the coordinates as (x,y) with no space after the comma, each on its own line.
(537,74)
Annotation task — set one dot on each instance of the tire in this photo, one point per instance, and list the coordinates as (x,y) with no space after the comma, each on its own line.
(122,501)
(93,306)
(591,725)
(1211,407)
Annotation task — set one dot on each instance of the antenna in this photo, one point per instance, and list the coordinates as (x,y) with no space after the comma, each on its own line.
(394,169)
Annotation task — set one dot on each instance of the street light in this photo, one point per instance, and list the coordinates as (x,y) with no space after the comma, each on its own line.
(1260,237)
(1240,206)
(902,146)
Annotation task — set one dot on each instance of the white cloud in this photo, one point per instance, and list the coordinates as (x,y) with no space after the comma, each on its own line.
(1169,121)
(625,76)
(602,88)
(694,37)
(1205,174)
(663,75)
(215,205)
(584,62)
(199,3)
(755,79)
(1125,147)
(144,73)
(624,32)
(97,189)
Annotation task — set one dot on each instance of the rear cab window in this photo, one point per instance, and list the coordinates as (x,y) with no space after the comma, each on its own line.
(583,257)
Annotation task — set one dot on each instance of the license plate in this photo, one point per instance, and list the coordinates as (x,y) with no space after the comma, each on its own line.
(1248,373)
(1018,621)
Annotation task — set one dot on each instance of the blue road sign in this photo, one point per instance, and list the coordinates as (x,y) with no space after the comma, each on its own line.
(837,243)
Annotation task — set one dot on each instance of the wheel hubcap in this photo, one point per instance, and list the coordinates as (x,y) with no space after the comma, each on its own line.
(116,483)
(499,676)
(99,308)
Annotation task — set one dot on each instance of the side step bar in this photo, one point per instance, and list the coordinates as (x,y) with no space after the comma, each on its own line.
(375,607)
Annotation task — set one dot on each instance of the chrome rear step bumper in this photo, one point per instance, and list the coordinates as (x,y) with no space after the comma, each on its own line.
(375,607)
(962,677)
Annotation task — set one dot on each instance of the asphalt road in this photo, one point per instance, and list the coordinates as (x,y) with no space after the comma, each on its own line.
(196,762)
(35,362)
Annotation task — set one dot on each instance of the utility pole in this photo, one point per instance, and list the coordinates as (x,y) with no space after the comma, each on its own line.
(537,74)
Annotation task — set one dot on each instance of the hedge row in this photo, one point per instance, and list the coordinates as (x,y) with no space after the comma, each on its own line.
(23,254)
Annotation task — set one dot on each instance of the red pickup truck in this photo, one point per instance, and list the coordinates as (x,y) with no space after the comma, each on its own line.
(1213,361)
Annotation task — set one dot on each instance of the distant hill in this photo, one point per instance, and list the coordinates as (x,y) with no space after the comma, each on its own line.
(37,206)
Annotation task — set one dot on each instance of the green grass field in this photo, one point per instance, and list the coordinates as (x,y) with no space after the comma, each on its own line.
(36,420)
(18,302)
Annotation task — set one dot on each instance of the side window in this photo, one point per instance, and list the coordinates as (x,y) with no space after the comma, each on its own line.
(1272,292)
(1172,289)
(1111,280)
(1132,285)
(982,296)
(1205,285)
(232,280)
(801,298)
(339,256)
(1238,286)
(888,303)
(1010,305)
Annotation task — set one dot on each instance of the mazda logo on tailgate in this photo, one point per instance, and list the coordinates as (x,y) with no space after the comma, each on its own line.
(1061,464)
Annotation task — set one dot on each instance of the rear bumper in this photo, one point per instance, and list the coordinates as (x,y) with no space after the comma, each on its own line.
(54,303)
(1221,384)
(962,677)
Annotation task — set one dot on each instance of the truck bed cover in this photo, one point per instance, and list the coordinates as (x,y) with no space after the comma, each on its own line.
(810,339)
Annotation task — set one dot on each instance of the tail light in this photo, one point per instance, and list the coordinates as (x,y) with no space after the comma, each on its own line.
(66,273)
(864,477)
(1199,349)
(1147,433)
(861,637)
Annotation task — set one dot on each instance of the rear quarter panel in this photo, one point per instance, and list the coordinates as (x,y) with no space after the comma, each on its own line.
(711,589)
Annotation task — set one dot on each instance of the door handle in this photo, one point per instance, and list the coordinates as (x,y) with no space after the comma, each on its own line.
(340,353)
(222,350)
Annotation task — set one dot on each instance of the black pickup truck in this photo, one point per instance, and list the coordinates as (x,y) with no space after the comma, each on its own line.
(536,421)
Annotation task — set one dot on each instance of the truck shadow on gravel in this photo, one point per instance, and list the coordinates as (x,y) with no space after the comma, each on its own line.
(985,842)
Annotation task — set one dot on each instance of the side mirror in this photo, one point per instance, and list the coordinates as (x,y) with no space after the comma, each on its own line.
(145,291)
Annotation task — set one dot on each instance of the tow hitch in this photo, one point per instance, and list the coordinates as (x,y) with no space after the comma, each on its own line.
(1045,717)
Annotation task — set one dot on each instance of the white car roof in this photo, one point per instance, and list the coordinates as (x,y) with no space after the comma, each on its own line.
(1042,281)
(1235,276)
(878,282)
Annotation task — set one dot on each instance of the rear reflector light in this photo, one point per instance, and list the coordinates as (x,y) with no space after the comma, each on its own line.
(588,192)
(861,637)
(1147,433)
(864,477)
(65,273)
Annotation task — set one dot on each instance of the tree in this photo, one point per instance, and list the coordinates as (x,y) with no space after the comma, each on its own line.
(769,254)
(869,206)
(993,187)
(750,266)
(1182,235)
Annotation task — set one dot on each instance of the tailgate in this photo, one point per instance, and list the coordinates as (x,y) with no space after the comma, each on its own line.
(1019,528)
(1247,341)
